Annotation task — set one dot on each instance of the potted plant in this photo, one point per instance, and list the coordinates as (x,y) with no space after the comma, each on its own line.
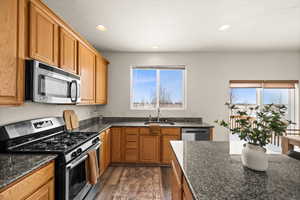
(256,125)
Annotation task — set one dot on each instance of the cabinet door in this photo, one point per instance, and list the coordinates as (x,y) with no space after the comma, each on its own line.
(176,181)
(166,148)
(108,148)
(102,153)
(68,51)
(149,149)
(11,52)
(101,80)
(116,135)
(43,36)
(46,192)
(86,64)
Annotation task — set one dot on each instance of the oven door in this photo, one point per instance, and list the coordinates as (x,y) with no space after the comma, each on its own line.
(77,185)
(53,85)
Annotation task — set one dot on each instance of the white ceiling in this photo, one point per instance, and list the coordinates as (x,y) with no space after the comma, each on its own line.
(184,25)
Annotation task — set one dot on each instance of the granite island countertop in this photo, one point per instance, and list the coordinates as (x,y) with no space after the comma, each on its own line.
(212,173)
(15,166)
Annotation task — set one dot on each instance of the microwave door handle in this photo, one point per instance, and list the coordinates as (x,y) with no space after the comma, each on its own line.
(73,82)
(76,94)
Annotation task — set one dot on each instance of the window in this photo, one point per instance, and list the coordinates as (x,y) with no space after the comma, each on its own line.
(243,96)
(244,93)
(158,87)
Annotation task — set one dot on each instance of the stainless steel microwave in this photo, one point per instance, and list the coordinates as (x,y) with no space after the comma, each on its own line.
(48,84)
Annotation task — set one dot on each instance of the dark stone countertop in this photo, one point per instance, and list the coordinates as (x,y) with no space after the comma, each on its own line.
(15,166)
(96,126)
(212,173)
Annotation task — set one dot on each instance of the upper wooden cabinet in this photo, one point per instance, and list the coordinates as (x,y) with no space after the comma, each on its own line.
(43,35)
(86,67)
(29,29)
(12,52)
(68,51)
(101,80)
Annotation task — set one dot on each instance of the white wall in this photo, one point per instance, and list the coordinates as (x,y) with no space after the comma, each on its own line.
(208,75)
(35,110)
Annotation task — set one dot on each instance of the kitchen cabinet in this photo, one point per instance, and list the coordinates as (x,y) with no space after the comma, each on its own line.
(46,192)
(168,134)
(102,153)
(186,192)
(131,146)
(37,185)
(86,67)
(105,151)
(101,80)
(149,148)
(68,51)
(108,148)
(12,55)
(179,188)
(116,145)
(176,181)
(43,35)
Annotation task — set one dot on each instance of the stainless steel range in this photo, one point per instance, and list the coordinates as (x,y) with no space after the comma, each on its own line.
(48,135)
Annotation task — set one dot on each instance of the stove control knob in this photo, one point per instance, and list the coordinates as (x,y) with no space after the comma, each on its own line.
(74,155)
(79,151)
(95,140)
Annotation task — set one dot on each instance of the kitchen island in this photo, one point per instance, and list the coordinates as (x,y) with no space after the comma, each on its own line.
(212,173)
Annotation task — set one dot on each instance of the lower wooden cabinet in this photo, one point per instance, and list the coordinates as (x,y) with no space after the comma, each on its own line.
(105,151)
(116,138)
(46,192)
(131,146)
(166,151)
(150,148)
(37,186)
(179,188)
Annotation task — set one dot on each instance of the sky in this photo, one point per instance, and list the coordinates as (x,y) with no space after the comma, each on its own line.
(144,84)
(248,96)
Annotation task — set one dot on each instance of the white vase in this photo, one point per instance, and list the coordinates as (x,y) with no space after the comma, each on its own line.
(254,157)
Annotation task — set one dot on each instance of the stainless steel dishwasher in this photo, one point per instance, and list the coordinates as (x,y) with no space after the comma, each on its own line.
(193,134)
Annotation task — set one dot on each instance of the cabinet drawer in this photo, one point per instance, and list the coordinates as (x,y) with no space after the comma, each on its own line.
(131,145)
(131,138)
(131,155)
(144,131)
(29,184)
(170,131)
(131,130)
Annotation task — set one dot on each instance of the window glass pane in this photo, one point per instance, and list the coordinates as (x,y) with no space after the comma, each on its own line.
(144,88)
(276,96)
(171,89)
(243,95)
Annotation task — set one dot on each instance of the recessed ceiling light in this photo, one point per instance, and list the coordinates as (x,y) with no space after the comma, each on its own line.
(224,27)
(101,28)
(155,47)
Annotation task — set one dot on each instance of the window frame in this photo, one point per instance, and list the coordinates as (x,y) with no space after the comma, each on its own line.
(158,68)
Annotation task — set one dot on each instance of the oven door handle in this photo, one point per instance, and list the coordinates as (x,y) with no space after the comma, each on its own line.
(72,165)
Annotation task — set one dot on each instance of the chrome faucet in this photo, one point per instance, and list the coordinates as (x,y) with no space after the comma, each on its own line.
(158,115)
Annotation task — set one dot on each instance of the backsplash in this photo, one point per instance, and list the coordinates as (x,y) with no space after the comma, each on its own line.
(35,110)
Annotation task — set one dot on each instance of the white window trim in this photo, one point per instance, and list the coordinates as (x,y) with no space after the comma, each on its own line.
(184,107)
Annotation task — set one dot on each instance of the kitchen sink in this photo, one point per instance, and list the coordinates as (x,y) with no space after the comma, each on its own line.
(160,123)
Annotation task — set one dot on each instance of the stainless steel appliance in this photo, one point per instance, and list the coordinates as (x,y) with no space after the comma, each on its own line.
(48,135)
(48,84)
(192,134)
